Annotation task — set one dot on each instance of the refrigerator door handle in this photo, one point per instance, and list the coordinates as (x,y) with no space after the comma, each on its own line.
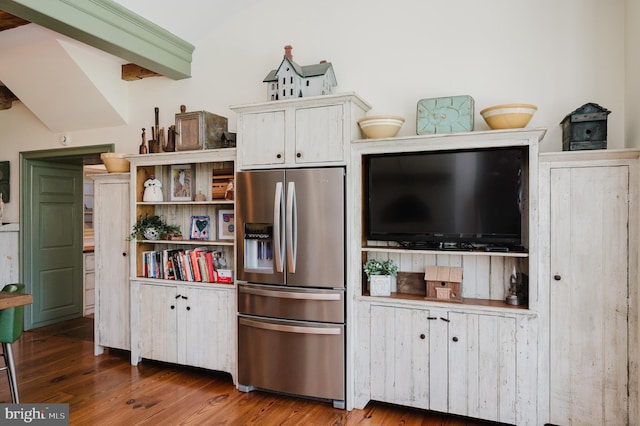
(277,232)
(279,294)
(292,227)
(289,328)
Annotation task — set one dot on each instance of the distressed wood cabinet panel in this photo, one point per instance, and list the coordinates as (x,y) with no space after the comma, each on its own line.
(298,132)
(158,323)
(111,224)
(448,361)
(263,138)
(319,134)
(209,329)
(187,325)
(588,359)
(482,366)
(400,356)
(89,283)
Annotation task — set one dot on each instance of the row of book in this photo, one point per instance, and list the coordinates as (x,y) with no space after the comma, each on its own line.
(197,265)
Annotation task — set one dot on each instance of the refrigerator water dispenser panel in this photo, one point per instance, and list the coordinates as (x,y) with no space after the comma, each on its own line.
(258,247)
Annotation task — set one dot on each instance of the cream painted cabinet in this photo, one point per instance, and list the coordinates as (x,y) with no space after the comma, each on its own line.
(182,311)
(298,132)
(111,224)
(89,283)
(186,325)
(590,270)
(454,362)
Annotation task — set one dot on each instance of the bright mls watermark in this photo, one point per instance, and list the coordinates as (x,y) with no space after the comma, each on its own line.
(34,414)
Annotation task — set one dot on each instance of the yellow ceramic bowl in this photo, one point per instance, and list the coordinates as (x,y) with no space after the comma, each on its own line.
(508,116)
(380,126)
(115,162)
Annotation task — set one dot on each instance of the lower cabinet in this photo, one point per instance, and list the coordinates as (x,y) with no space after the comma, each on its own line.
(184,324)
(454,362)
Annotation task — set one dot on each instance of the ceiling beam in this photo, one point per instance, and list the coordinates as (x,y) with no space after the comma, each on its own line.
(112,28)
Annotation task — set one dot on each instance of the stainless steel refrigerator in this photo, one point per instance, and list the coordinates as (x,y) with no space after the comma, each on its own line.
(290,226)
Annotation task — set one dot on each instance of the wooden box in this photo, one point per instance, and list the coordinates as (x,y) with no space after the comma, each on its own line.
(444,283)
(201,130)
(585,128)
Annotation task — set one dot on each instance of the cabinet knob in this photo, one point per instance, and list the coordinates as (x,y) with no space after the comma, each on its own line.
(455,339)
(557,277)
(124,253)
(188,308)
(173,306)
(299,155)
(422,336)
(278,156)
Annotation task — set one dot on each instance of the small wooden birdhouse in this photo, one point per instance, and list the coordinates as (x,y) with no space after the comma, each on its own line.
(444,283)
(585,128)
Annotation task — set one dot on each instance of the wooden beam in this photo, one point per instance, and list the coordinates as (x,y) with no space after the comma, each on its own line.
(6,98)
(133,72)
(112,28)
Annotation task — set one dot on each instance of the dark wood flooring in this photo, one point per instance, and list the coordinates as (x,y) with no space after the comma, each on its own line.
(55,364)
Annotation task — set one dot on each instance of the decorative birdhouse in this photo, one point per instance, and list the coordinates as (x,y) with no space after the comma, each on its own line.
(585,128)
(444,283)
(291,80)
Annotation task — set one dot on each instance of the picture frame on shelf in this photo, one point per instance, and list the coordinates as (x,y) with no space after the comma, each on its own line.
(200,228)
(226,225)
(182,182)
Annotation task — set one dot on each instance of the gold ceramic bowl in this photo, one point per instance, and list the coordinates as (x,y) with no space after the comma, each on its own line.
(115,162)
(380,126)
(508,116)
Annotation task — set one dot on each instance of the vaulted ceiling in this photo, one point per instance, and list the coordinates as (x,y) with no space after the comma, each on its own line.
(43,65)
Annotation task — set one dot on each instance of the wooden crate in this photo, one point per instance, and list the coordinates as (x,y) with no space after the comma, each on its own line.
(444,283)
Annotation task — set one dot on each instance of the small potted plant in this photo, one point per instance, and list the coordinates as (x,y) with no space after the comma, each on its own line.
(382,276)
(152,228)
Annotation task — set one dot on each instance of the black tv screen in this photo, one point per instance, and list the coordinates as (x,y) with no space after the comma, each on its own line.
(440,197)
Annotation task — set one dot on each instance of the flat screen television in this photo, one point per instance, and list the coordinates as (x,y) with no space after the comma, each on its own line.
(437,199)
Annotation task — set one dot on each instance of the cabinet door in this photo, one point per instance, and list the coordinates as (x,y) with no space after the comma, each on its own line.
(400,356)
(158,322)
(589,286)
(112,307)
(319,134)
(263,138)
(208,322)
(482,366)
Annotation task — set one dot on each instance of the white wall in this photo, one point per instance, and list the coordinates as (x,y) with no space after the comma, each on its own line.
(632,74)
(555,54)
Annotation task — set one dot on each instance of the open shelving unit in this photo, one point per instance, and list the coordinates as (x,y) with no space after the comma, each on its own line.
(436,354)
(187,321)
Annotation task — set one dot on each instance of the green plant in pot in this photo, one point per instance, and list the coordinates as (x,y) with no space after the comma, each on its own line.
(375,267)
(152,228)
(380,267)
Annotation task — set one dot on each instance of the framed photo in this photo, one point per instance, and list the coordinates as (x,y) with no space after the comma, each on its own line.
(200,228)
(182,183)
(226,225)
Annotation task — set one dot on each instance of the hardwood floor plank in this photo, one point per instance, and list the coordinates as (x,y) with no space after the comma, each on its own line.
(55,364)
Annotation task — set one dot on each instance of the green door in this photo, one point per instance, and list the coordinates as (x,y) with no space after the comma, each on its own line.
(53,257)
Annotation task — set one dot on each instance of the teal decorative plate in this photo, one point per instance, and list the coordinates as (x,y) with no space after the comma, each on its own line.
(445,115)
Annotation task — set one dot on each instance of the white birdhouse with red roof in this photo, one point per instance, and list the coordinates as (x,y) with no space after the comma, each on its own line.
(291,80)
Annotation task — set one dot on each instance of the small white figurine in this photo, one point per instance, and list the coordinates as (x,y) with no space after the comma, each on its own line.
(152,190)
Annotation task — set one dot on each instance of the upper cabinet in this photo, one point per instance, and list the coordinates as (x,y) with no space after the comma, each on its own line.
(299,132)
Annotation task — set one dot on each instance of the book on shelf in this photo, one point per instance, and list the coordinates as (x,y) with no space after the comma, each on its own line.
(193,265)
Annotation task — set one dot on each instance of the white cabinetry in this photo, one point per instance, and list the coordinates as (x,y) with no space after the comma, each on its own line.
(89,283)
(444,360)
(111,224)
(187,325)
(477,358)
(589,276)
(188,321)
(299,132)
